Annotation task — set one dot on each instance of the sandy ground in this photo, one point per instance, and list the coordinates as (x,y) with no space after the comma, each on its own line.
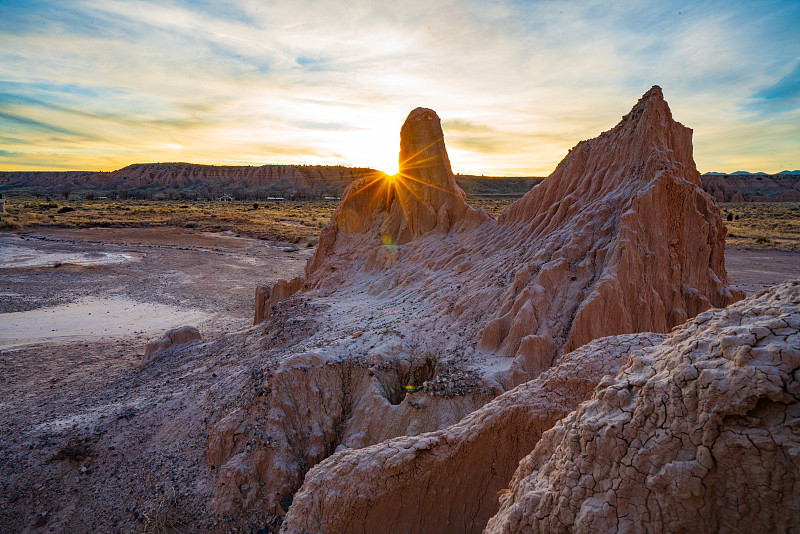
(169,273)
(752,270)
(77,308)
(92,319)
(64,372)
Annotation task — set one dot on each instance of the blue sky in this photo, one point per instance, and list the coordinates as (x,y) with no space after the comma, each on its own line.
(99,84)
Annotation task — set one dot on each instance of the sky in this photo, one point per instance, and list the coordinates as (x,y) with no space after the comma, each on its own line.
(100,84)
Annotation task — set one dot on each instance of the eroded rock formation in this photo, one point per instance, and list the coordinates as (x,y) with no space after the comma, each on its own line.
(620,239)
(447,481)
(701,434)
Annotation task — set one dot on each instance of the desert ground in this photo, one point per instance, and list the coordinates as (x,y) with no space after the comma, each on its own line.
(774,225)
(78,305)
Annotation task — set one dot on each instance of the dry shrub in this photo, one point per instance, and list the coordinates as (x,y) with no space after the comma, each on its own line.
(159,520)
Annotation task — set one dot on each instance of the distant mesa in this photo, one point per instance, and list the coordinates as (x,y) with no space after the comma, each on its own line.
(268,182)
(742,186)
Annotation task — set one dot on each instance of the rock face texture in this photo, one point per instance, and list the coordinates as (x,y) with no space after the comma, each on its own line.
(701,434)
(447,481)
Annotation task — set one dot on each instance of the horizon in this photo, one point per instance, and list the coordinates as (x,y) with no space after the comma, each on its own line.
(94,85)
(742,172)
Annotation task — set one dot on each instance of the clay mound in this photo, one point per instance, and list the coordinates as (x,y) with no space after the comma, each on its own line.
(700,435)
(447,481)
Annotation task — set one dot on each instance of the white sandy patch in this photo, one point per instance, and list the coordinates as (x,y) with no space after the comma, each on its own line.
(92,319)
(12,256)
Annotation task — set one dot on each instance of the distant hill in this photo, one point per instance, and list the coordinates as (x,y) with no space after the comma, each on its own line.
(188,180)
(753,187)
(496,186)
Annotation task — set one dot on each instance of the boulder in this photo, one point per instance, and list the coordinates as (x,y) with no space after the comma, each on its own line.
(269,296)
(177,336)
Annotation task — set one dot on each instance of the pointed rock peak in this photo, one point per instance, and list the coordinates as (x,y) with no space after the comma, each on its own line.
(423,155)
(654,92)
(652,99)
(422,197)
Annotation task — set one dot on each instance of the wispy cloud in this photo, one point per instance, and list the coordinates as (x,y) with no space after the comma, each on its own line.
(516,83)
(782,96)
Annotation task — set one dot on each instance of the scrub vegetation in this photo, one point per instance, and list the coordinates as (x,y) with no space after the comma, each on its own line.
(759,225)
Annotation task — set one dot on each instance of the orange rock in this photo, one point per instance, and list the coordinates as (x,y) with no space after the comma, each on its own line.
(619,239)
(176,336)
(267,297)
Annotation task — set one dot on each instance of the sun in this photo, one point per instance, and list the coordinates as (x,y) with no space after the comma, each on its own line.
(379,149)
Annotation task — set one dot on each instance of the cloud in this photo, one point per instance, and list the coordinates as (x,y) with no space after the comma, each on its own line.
(29,123)
(781,96)
(516,83)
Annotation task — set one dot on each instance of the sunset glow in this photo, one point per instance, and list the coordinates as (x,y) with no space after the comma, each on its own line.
(97,85)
